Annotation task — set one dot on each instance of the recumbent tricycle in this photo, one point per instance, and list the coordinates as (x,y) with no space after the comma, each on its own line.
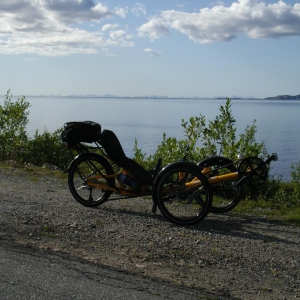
(184,192)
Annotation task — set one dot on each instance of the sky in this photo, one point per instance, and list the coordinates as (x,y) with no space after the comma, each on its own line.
(243,48)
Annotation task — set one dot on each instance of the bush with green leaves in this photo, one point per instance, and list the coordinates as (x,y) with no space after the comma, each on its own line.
(46,148)
(274,199)
(205,139)
(295,172)
(15,143)
(13,122)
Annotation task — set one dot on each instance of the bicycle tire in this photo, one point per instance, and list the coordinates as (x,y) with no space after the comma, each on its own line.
(226,195)
(178,202)
(83,167)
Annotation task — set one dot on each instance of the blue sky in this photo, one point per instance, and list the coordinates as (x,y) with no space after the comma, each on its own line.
(244,48)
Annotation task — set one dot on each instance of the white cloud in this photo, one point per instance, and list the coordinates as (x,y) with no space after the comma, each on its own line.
(156,28)
(121,11)
(65,27)
(99,8)
(151,52)
(220,23)
(109,27)
(139,10)
(52,45)
(46,27)
(117,34)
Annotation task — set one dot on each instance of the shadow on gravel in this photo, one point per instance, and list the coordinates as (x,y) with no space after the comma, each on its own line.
(250,227)
(244,226)
(145,215)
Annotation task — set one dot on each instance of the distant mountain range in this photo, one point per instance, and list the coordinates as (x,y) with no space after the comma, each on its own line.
(280,97)
(284,97)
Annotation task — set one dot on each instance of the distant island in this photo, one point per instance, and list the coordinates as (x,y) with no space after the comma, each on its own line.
(284,97)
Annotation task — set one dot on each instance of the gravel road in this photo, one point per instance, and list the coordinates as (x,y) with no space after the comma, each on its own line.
(230,256)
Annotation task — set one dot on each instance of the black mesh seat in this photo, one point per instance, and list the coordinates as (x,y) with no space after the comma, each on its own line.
(114,150)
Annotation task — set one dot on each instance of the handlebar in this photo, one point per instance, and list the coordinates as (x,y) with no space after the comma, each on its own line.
(274,157)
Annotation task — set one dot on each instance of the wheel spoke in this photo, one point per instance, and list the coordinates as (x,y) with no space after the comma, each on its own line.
(182,201)
(84,168)
(226,195)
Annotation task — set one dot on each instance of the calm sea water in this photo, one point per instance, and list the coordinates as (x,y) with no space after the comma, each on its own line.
(147,120)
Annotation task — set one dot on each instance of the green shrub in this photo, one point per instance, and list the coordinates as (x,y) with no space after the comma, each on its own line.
(275,199)
(276,193)
(13,121)
(15,143)
(295,172)
(46,148)
(218,137)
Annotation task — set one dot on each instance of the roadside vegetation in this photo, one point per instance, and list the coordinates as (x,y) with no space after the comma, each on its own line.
(17,146)
(275,199)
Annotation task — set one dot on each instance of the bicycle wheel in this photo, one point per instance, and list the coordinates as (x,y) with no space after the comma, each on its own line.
(182,193)
(226,195)
(82,169)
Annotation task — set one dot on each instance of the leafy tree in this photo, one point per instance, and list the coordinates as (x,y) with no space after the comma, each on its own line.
(13,121)
(16,145)
(218,137)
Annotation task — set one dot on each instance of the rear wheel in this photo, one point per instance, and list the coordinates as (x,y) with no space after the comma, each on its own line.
(226,195)
(182,193)
(84,168)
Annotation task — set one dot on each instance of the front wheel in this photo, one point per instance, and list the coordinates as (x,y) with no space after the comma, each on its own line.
(182,193)
(85,167)
(227,194)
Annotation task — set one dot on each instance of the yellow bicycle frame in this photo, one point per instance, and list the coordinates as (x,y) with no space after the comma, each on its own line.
(94,181)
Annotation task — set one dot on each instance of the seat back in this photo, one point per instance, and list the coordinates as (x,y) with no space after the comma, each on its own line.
(115,152)
(112,147)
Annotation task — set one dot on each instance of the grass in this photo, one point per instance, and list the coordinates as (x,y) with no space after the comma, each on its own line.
(292,216)
(275,208)
(34,173)
(48,231)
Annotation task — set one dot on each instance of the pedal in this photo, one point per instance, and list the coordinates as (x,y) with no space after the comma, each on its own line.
(252,171)
(84,187)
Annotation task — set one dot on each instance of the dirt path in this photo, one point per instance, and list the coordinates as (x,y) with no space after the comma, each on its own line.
(232,256)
